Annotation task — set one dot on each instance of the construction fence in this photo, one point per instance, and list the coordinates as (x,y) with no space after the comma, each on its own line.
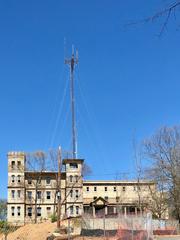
(129,227)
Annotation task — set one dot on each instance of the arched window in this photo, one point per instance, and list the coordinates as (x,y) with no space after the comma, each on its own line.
(71,210)
(76,178)
(19,178)
(77,210)
(13,178)
(71,193)
(71,178)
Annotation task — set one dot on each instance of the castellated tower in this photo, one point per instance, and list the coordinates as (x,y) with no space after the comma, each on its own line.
(74,186)
(16,188)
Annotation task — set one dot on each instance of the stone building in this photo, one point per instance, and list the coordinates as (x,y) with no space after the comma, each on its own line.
(34,194)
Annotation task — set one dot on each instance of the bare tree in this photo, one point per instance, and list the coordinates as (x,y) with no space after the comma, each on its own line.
(159,196)
(163,151)
(167,12)
(139,172)
(36,165)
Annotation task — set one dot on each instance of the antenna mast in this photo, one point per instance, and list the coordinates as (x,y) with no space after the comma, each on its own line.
(72,62)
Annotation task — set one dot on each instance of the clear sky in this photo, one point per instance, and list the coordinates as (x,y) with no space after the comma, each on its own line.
(127,80)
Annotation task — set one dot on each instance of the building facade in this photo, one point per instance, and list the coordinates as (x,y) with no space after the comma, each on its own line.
(34,195)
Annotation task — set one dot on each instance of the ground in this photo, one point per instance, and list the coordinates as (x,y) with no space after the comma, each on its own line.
(42,230)
(32,232)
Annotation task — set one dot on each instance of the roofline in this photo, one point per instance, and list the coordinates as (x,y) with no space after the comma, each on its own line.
(115,182)
(72,160)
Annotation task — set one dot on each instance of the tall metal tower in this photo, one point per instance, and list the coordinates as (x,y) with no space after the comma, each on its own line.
(72,62)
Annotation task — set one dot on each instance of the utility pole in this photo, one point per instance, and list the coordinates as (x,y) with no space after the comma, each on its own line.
(72,62)
(59,189)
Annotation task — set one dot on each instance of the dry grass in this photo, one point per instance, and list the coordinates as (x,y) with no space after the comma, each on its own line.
(32,232)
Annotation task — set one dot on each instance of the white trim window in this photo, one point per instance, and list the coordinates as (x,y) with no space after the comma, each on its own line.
(19,211)
(71,178)
(48,195)
(13,178)
(29,211)
(29,195)
(71,210)
(48,181)
(77,194)
(39,211)
(19,193)
(77,210)
(13,193)
(38,194)
(19,178)
(12,211)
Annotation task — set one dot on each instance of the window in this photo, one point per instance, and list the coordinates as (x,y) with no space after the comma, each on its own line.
(13,193)
(13,164)
(73,165)
(48,209)
(124,189)
(134,188)
(76,178)
(87,189)
(48,180)
(12,178)
(38,194)
(117,199)
(114,189)
(19,193)
(71,193)
(105,189)
(19,164)
(48,195)
(39,181)
(29,195)
(29,211)
(12,211)
(39,211)
(71,210)
(95,189)
(77,210)
(106,198)
(18,211)
(29,180)
(19,178)
(94,197)
(77,194)
(71,178)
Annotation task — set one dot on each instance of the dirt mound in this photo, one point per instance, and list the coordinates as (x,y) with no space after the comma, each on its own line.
(33,231)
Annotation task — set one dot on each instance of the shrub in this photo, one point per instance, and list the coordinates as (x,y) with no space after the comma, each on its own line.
(53,218)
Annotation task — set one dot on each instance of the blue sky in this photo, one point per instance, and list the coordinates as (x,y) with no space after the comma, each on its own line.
(127,80)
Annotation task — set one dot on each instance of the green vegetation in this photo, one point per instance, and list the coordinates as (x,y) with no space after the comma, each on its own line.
(53,218)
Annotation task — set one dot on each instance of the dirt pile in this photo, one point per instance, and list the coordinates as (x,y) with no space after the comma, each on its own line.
(33,231)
